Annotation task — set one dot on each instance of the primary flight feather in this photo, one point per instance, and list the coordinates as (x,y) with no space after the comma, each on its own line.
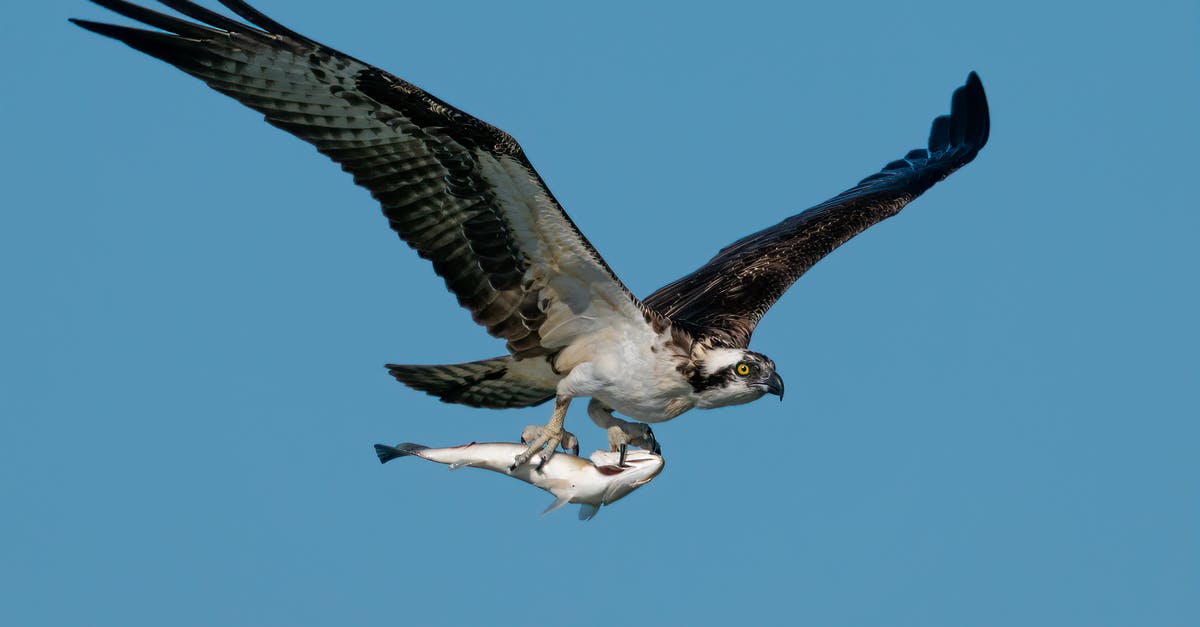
(463,194)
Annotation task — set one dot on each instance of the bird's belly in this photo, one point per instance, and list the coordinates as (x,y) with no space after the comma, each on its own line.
(648,395)
(633,373)
(647,409)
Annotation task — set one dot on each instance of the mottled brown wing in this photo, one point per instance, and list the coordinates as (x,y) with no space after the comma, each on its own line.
(458,190)
(723,300)
(497,383)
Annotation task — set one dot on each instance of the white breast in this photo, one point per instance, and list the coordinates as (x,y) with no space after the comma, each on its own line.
(632,371)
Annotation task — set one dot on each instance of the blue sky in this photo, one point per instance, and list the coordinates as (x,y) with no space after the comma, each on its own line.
(990,416)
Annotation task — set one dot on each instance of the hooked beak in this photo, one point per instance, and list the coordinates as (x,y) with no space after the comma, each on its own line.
(775,385)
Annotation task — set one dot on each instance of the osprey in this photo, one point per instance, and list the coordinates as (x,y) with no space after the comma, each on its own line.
(464,195)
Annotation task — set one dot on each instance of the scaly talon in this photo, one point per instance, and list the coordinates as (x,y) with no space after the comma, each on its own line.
(546,438)
(636,433)
(543,447)
(569,442)
(622,432)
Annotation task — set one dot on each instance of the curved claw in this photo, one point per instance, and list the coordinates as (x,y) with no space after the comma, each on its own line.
(647,441)
(638,434)
(542,443)
(569,442)
(652,442)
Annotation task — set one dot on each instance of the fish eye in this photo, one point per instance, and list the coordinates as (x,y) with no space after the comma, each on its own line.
(742,369)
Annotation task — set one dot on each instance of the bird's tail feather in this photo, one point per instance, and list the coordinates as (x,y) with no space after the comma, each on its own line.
(486,383)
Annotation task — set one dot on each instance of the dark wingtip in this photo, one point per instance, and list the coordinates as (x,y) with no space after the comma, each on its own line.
(967,127)
(210,17)
(131,36)
(939,134)
(178,51)
(166,22)
(969,111)
(954,140)
(260,19)
(95,27)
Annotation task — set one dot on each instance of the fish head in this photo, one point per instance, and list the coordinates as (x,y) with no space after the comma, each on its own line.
(640,468)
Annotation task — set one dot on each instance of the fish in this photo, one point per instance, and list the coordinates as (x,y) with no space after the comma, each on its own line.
(593,482)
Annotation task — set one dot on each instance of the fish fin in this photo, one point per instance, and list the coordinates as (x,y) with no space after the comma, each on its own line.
(587,511)
(559,502)
(388,453)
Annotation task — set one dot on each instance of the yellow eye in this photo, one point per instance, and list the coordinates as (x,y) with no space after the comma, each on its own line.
(743,369)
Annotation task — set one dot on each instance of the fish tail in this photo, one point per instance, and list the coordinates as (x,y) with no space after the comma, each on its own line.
(388,453)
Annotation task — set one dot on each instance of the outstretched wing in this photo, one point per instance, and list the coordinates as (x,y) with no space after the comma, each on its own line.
(458,190)
(723,300)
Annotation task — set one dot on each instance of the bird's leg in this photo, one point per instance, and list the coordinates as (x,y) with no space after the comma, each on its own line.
(569,444)
(548,439)
(622,433)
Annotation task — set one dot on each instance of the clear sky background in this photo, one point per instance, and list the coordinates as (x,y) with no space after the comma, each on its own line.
(991,412)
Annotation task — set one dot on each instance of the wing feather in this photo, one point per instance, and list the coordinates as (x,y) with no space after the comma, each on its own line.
(724,299)
(458,190)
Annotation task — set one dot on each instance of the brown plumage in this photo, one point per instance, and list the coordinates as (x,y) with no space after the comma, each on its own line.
(724,299)
(452,186)
(485,383)
(463,194)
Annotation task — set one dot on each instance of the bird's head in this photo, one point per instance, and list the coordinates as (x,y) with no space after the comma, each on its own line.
(732,376)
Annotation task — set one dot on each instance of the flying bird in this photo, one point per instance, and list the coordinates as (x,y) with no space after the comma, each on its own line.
(465,196)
